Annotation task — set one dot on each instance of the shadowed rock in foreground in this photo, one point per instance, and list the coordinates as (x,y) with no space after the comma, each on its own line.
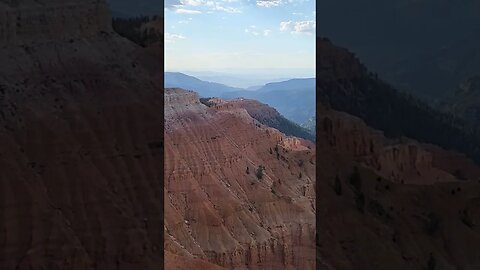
(80,142)
(389,202)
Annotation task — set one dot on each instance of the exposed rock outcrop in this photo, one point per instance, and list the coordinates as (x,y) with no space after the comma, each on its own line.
(237,193)
(399,160)
(267,116)
(389,203)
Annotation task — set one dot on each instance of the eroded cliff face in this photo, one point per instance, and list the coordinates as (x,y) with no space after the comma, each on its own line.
(80,146)
(410,205)
(390,203)
(399,160)
(267,116)
(254,108)
(237,193)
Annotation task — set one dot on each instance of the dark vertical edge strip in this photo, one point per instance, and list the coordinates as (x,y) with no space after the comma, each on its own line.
(317,125)
(162,112)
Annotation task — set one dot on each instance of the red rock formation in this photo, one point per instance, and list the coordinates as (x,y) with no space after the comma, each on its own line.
(176,262)
(254,108)
(407,210)
(403,161)
(266,115)
(216,208)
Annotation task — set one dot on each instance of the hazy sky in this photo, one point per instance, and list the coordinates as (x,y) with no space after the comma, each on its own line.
(215,35)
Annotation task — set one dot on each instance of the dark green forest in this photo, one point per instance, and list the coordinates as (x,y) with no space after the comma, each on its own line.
(289,128)
(134,29)
(398,114)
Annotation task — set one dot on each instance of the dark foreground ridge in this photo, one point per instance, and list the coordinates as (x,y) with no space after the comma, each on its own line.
(385,202)
(345,84)
(80,142)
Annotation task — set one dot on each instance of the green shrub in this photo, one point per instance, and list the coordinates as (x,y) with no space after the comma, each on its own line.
(259,172)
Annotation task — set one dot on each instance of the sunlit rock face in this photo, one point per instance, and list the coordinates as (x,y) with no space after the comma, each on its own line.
(218,206)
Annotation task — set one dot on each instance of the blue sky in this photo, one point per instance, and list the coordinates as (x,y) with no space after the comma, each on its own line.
(220,35)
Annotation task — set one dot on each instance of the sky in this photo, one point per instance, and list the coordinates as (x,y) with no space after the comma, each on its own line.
(240,35)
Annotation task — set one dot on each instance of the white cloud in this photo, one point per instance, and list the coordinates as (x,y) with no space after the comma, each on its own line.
(299,27)
(201,6)
(187,11)
(276,3)
(194,3)
(172,38)
(172,3)
(251,31)
(286,26)
(226,9)
(269,3)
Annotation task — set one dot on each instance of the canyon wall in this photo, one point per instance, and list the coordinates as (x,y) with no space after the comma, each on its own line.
(218,206)
(399,160)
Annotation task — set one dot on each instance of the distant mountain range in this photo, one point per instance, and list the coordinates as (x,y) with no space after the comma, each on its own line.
(247,80)
(294,99)
(204,88)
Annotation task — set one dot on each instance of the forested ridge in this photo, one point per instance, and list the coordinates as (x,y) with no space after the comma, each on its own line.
(363,94)
(136,29)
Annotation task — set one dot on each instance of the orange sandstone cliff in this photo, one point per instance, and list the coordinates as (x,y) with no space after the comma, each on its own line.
(237,193)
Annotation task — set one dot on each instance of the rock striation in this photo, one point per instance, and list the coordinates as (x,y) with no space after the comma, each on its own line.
(237,193)
(399,160)
(267,116)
